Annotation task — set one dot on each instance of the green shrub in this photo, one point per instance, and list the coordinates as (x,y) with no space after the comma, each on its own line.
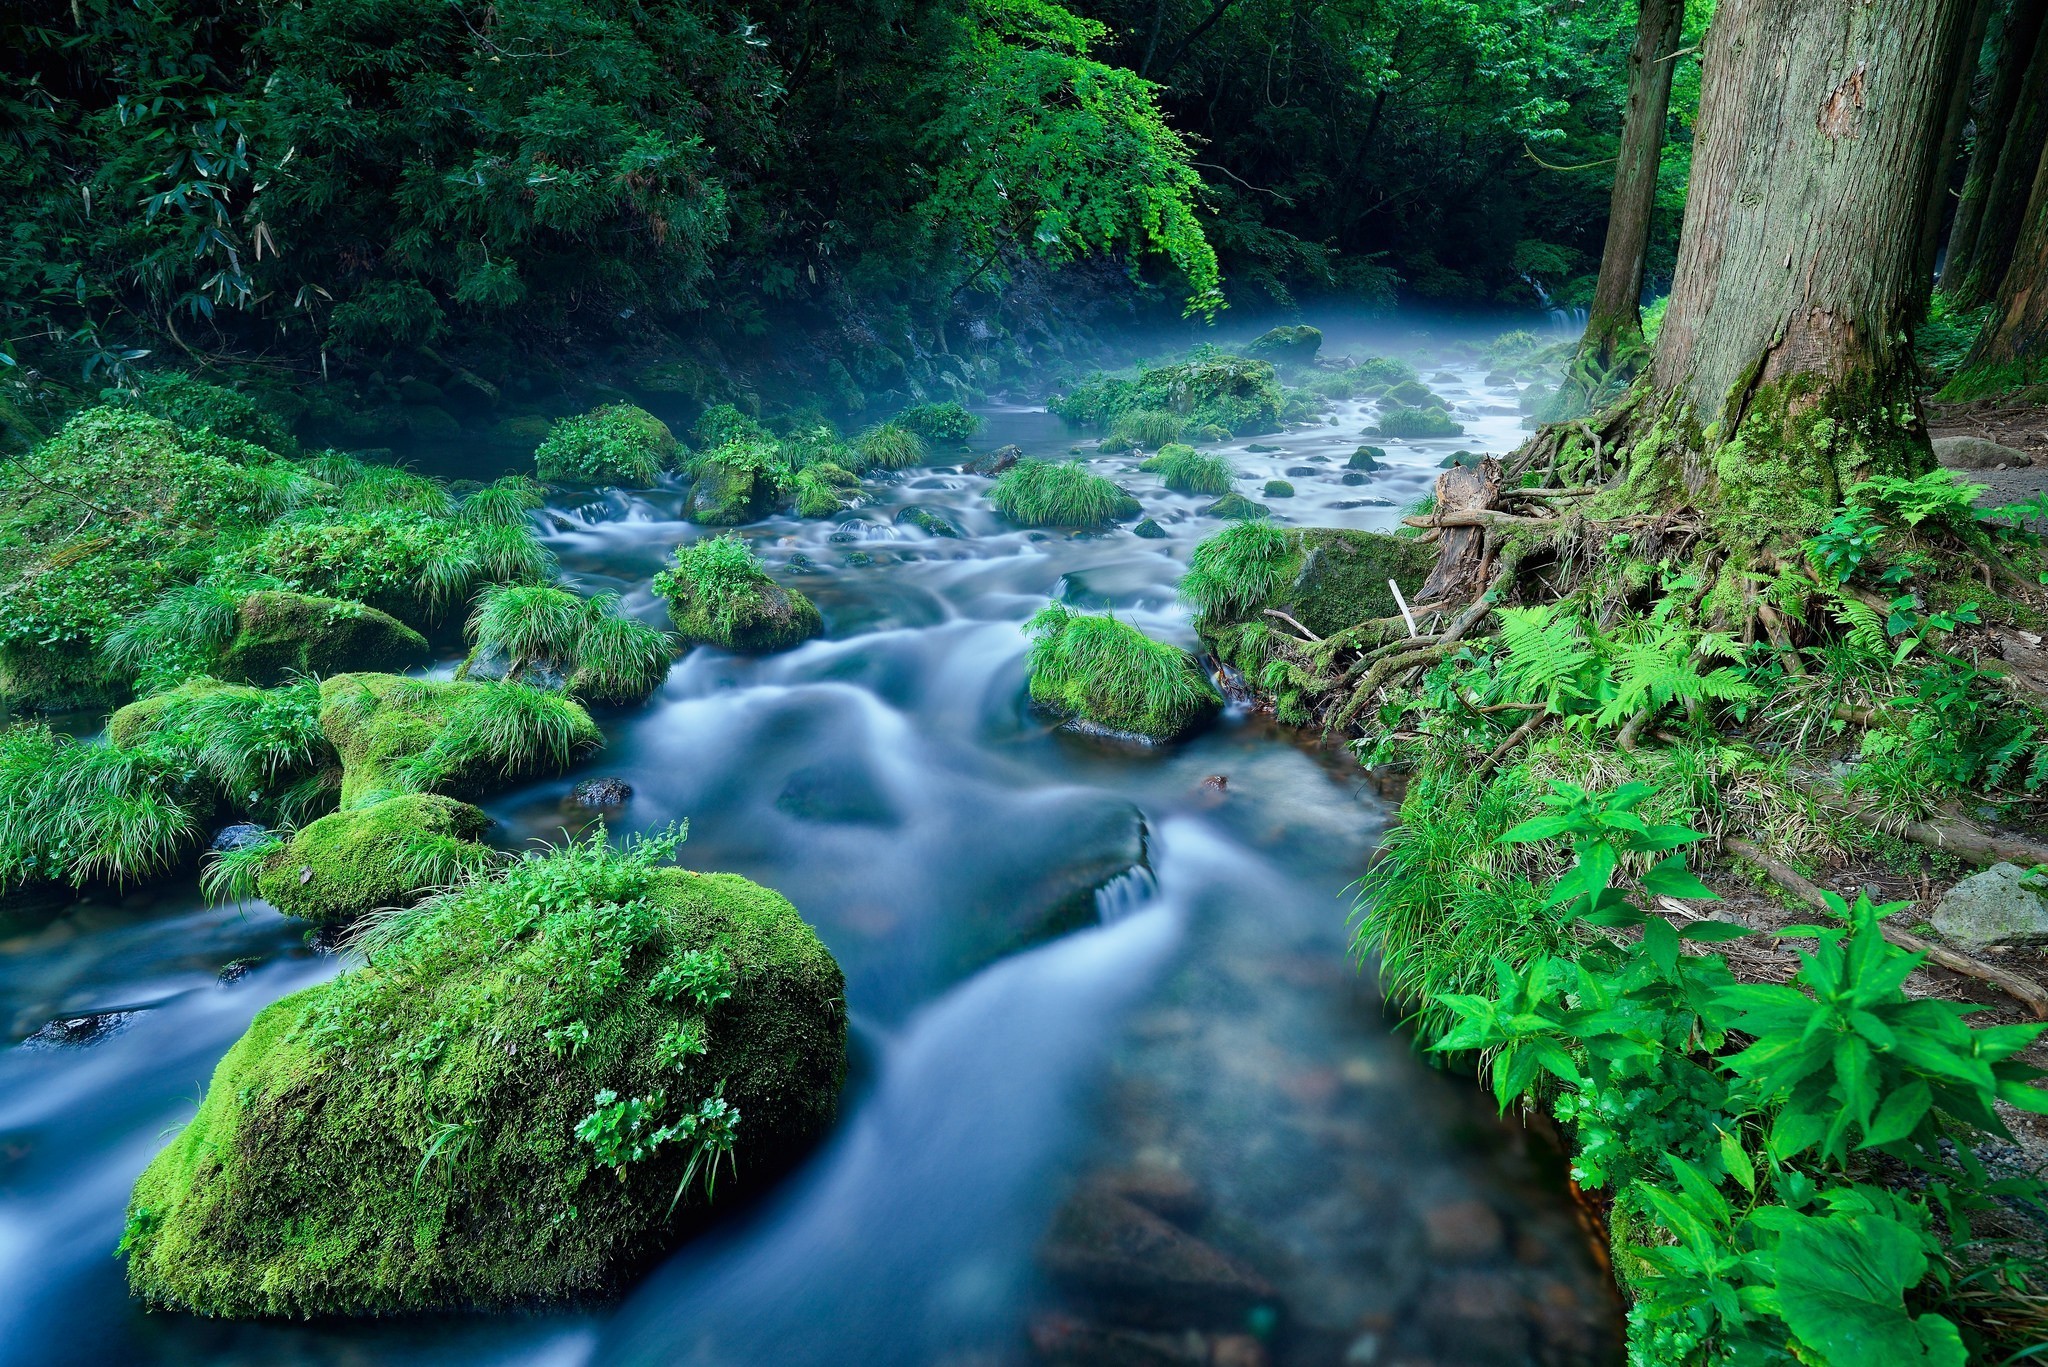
(620,660)
(518,1098)
(1187,471)
(1226,394)
(1095,402)
(1415,423)
(889,446)
(502,503)
(385,854)
(77,812)
(386,488)
(195,405)
(1042,493)
(739,482)
(1111,674)
(1150,428)
(1412,394)
(719,594)
(938,421)
(399,735)
(261,750)
(531,625)
(724,425)
(614,444)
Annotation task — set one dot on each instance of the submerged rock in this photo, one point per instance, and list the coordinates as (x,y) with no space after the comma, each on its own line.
(2003,905)
(925,520)
(601,793)
(352,862)
(1130,1263)
(73,1032)
(719,594)
(521,1098)
(1149,530)
(1236,506)
(995,462)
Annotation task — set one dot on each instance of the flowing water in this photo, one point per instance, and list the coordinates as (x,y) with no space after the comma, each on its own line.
(1119,1096)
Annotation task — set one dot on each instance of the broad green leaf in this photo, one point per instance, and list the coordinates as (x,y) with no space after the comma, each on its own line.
(1842,1280)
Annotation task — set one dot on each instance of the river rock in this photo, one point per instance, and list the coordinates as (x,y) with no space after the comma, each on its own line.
(601,793)
(995,462)
(1366,458)
(925,520)
(1149,530)
(2000,906)
(279,635)
(72,1032)
(240,835)
(1136,1267)
(1977,453)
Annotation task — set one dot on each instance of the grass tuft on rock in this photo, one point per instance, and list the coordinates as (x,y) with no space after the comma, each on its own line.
(350,863)
(1111,674)
(1041,493)
(518,1097)
(889,446)
(718,593)
(1150,428)
(615,444)
(1235,570)
(399,735)
(1188,471)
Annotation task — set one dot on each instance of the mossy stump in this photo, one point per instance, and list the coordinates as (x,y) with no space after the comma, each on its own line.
(469,1120)
(350,863)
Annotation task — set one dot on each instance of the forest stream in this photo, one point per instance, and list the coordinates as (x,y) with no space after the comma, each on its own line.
(1120,1093)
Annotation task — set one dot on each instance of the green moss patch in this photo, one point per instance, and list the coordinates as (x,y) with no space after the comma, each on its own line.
(741,481)
(719,594)
(1286,345)
(398,735)
(1041,493)
(1109,673)
(282,634)
(1417,423)
(614,444)
(350,863)
(1237,508)
(522,1096)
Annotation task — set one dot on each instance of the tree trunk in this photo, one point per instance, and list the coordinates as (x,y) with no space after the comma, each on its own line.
(2007,192)
(2010,47)
(2013,348)
(1616,317)
(1783,368)
(1962,92)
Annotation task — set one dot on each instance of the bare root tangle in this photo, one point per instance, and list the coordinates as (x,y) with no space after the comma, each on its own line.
(2014,986)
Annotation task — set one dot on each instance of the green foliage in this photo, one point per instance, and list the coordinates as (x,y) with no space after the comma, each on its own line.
(615,444)
(1416,423)
(436,1127)
(1041,493)
(889,446)
(1944,339)
(1110,673)
(1232,393)
(1187,471)
(719,594)
(78,812)
(1234,571)
(398,735)
(587,644)
(938,422)
(1935,496)
(1150,428)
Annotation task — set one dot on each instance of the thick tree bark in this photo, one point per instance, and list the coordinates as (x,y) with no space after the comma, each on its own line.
(2010,48)
(2006,195)
(1962,93)
(1616,315)
(1784,352)
(2013,348)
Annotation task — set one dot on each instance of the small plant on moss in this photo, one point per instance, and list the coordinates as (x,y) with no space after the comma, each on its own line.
(1041,493)
(938,421)
(1188,471)
(623,1130)
(722,425)
(704,976)
(684,1041)
(719,570)
(182,633)
(567,1041)
(889,446)
(1111,673)
(615,444)
(1234,571)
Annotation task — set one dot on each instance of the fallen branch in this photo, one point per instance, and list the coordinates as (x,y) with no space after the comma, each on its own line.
(2014,986)
(1310,635)
(1475,517)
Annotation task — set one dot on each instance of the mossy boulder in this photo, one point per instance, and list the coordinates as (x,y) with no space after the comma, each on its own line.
(1326,578)
(463,738)
(1412,394)
(1286,345)
(719,594)
(1279,488)
(519,1099)
(1367,458)
(1236,507)
(517,438)
(616,443)
(137,721)
(1417,423)
(279,634)
(353,862)
(825,489)
(1110,676)
(736,483)
(927,521)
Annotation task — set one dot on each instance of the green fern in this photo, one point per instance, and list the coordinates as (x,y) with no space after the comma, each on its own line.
(1547,658)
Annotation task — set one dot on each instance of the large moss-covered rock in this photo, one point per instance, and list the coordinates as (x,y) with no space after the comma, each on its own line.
(736,483)
(613,444)
(518,1099)
(1286,345)
(352,862)
(463,738)
(719,594)
(281,634)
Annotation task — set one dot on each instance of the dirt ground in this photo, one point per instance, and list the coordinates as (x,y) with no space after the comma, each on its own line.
(2022,426)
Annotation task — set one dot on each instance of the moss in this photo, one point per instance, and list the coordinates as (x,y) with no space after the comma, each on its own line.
(398,735)
(1040,493)
(427,1131)
(614,444)
(925,520)
(280,634)
(1214,395)
(1367,458)
(719,594)
(198,406)
(516,439)
(350,863)
(1279,488)
(825,489)
(1237,508)
(1414,423)
(738,482)
(1412,394)
(1187,471)
(1111,674)
(1326,578)
(1287,345)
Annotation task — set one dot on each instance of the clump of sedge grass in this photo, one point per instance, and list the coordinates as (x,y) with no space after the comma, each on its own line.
(502,503)
(1151,428)
(889,446)
(1236,570)
(1041,493)
(1187,471)
(1112,674)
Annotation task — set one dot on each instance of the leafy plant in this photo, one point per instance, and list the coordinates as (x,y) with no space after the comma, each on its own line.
(704,976)
(938,421)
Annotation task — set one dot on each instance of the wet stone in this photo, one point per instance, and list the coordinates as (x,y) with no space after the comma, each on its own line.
(1463,1231)
(238,836)
(601,793)
(234,970)
(1149,530)
(70,1032)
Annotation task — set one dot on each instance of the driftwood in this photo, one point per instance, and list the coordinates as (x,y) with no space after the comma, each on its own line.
(2029,993)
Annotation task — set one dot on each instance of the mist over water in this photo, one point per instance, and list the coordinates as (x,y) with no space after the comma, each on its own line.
(1077,975)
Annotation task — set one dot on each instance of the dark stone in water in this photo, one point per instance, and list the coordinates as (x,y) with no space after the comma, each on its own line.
(1347,503)
(1366,458)
(234,970)
(858,560)
(995,462)
(926,521)
(1114,1252)
(836,793)
(1215,783)
(801,564)
(77,1031)
(1150,530)
(239,836)
(601,792)
(1299,471)
(1258,450)
(1352,477)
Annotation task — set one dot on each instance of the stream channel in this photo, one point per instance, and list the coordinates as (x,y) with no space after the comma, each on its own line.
(1120,1095)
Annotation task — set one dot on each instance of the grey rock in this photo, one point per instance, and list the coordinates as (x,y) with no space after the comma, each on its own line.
(238,836)
(601,792)
(2000,906)
(1977,453)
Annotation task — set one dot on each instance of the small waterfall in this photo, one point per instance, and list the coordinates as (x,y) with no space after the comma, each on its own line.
(1129,891)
